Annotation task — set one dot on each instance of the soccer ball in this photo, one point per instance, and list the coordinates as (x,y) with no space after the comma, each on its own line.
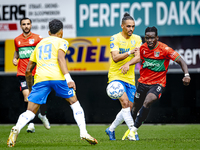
(115,90)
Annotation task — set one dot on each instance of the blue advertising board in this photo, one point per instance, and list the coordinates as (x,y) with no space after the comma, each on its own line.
(172,18)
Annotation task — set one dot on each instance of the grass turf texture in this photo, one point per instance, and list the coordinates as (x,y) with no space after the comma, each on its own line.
(165,137)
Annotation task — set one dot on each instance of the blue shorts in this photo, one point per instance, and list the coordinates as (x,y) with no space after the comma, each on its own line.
(129,89)
(41,90)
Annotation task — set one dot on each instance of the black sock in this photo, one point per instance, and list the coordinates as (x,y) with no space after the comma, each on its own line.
(43,109)
(25,105)
(143,113)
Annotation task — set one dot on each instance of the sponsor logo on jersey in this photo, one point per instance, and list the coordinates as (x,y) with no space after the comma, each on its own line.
(112,45)
(65,46)
(112,39)
(154,64)
(31,41)
(122,43)
(156,54)
(123,50)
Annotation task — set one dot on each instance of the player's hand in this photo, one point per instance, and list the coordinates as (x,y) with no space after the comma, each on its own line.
(15,62)
(133,51)
(186,80)
(124,68)
(72,85)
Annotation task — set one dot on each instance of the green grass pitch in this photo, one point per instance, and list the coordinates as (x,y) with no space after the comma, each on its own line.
(152,137)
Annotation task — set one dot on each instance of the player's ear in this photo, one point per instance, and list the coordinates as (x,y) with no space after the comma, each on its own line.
(157,38)
(49,33)
(122,26)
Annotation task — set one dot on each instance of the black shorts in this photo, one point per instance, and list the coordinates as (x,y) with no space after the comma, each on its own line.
(144,89)
(23,84)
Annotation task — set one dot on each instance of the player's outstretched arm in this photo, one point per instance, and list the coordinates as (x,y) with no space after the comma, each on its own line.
(63,66)
(186,79)
(31,65)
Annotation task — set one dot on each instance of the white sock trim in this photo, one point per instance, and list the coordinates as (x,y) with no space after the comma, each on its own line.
(126,109)
(134,129)
(76,104)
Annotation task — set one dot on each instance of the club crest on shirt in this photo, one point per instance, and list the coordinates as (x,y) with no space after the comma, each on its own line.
(23,84)
(156,54)
(19,42)
(133,43)
(31,41)
(137,95)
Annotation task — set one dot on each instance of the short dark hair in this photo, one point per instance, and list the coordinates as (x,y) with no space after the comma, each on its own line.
(55,25)
(127,17)
(151,29)
(25,19)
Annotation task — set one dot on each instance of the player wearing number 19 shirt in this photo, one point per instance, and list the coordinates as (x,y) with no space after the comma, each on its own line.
(51,73)
(155,57)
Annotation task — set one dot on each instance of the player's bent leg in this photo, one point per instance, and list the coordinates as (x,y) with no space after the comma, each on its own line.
(24,118)
(42,116)
(25,93)
(126,110)
(79,117)
(118,120)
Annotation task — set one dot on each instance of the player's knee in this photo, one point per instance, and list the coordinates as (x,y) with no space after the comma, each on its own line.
(25,99)
(71,100)
(147,103)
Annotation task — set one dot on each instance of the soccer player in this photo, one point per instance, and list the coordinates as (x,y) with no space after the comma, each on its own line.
(24,46)
(51,73)
(155,57)
(124,47)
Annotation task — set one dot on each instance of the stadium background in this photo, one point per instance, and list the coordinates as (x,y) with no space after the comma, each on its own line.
(88,26)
